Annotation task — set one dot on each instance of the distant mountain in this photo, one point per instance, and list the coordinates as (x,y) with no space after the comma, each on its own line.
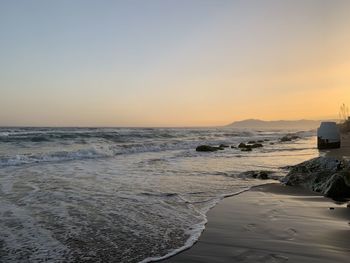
(282,124)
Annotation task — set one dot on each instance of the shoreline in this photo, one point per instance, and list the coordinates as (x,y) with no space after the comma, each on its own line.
(193,239)
(215,244)
(275,228)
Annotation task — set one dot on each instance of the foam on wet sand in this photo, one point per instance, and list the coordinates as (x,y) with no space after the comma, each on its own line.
(273,223)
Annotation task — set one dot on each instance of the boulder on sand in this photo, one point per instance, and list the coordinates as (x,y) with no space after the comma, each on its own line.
(325,175)
(336,187)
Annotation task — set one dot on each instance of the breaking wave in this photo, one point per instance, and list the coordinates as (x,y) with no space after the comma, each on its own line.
(67,144)
(21,159)
(142,196)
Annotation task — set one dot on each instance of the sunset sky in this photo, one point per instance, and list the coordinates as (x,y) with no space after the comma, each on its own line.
(172,63)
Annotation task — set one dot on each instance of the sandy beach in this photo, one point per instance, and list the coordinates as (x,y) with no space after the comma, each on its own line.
(275,223)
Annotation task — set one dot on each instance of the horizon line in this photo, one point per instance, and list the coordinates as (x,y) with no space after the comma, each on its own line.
(145,127)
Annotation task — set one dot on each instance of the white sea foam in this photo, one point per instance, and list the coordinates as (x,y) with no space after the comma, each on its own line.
(196,230)
(28,237)
(20,159)
(141,191)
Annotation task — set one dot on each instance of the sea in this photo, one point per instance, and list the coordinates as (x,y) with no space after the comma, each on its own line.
(125,194)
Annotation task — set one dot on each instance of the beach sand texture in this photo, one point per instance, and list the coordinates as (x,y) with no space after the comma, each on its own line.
(275,223)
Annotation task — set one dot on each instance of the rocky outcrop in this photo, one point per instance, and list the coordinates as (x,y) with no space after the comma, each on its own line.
(325,175)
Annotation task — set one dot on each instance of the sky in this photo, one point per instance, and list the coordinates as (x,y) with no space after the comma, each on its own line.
(172,62)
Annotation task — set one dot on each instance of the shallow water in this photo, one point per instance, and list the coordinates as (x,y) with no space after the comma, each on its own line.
(122,195)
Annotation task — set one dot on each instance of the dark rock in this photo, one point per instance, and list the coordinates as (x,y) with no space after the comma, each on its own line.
(331,208)
(256,145)
(248,147)
(318,164)
(233,147)
(223,146)
(285,139)
(263,175)
(207,148)
(336,187)
(252,142)
(272,143)
(260,141)
(289,137)
(324,175)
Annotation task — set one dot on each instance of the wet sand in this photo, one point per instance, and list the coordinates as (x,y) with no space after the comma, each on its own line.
(273,223)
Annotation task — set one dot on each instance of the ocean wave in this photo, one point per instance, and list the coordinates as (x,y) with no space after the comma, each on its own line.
(105,150)
(112,134)
(59,156)
(58,135)
(96,151)
(64,134)
(55,145)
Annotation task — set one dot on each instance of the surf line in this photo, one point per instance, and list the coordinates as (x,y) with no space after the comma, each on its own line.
(198,229)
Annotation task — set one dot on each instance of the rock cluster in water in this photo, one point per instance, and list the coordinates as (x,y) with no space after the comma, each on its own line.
(245,146)
(208,148)
(250,146)
(242,146)
(263,175)
(325,175)
(289,138)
